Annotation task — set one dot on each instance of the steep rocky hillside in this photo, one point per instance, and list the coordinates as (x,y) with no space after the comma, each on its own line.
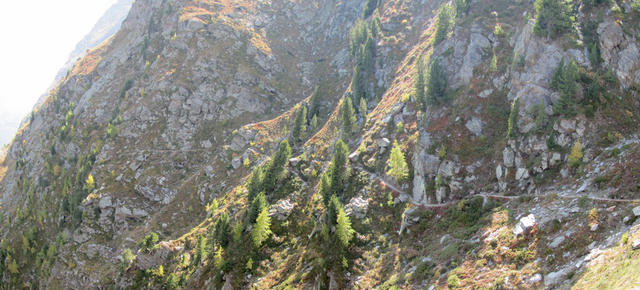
(336,144)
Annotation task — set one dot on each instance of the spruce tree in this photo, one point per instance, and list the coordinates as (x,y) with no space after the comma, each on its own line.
(325,189)
(332,211)
(363,108)
(261,229)
(348,117)
(221,231)
(553,18)
(255,184)
(338,168)
(398,167)
(314,122)
(201,250)
(259,203)
(275,168)
(300,124)
(565,81)
(344,231)
(315,103)
(437,86)
(418,86)
(443,24)
(357,88)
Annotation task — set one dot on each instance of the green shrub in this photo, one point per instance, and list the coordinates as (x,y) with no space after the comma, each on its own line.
(149,241)
(625,239)
(453,281)
(127,259)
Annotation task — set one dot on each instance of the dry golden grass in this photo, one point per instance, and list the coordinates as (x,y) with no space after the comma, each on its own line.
(90,61)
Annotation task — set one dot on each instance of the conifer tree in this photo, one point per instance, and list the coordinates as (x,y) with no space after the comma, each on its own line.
(201,250)
(363,108)
(437,86)
(314,122)
(221,231)
(275,168)
(325,189)
(418,86)
(259,203)
(575,157)
(332,210)
(344,231)
(255,184)
(300,124)
(443,24)
(565,80)
(348,117)
(338,168)
(357,89)
(261,229)
(553,18)
(398,167)
(315,102)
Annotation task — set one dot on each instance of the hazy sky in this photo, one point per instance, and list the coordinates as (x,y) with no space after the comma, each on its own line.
(37,38)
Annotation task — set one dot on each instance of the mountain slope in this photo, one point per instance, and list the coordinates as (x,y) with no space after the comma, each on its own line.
(211,144)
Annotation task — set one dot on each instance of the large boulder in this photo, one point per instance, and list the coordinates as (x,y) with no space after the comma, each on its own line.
(281,210)
(525,225)
(357,207)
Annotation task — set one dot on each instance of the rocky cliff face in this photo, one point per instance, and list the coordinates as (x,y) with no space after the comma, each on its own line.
(159,129)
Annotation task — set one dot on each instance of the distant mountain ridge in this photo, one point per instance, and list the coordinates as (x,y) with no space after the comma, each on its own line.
(104,28)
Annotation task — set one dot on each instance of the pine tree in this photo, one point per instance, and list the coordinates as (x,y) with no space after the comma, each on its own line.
(565,81)
(553,18)
(348,117)
(357,88)
(325,189)
(332,210)
(221,231)
(315,103)
(300,124)
(344,231)
(437,86)
(275,168)
(418,86)
(398,167)
(314,122)
(443,25)
(514,114)
(261,229)
(255,184)
(462,6)
(375,24)
(363,108)
(201,250)
(368,53)
(357,36)
(218,259)
(338,168)
(259,203)
(575,157)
